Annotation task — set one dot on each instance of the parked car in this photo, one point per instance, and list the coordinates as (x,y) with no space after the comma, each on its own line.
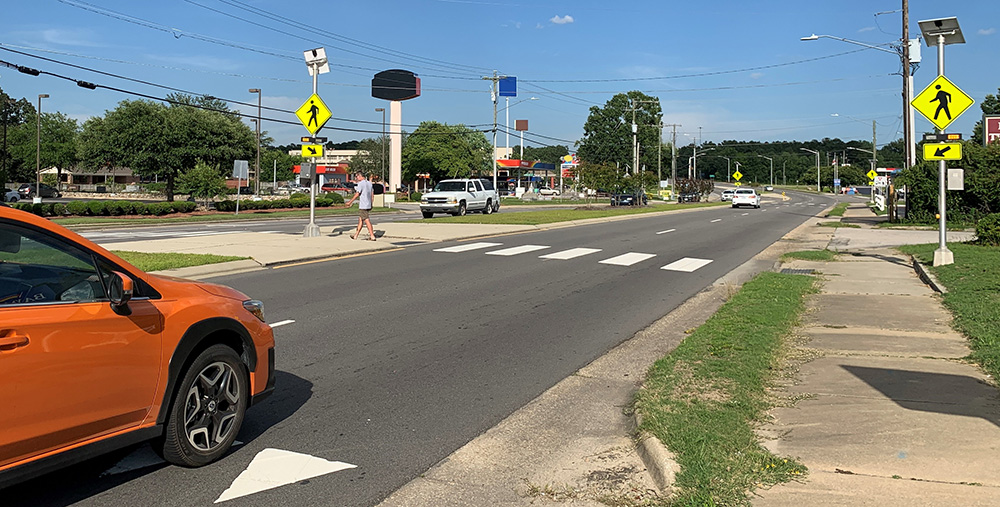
(98,355)
(727,195)
(547,191)
(624,199)
(11,195)
(27,190)
(689,197)
(334,186)
(769,188)
(746,197)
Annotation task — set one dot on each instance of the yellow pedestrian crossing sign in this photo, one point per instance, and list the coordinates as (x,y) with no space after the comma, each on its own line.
(313,114)
(312,150)
(737,175)
(943,151)
(871,174)
(942,102)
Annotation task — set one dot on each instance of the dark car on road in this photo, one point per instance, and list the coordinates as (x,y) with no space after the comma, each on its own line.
(27,191)
(627,199)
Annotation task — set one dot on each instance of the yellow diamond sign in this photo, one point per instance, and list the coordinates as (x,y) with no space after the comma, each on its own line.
(871,174)
(942,102)
(313,114)
(737,175)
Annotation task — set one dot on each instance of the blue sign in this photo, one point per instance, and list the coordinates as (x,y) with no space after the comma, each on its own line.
(836,182)
(508,86)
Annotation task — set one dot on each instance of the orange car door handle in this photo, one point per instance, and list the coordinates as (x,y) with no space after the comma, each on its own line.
(12,342)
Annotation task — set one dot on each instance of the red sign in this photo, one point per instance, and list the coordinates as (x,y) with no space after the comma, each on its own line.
(992,129)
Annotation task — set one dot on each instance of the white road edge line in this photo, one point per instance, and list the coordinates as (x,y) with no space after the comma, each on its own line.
(282,323)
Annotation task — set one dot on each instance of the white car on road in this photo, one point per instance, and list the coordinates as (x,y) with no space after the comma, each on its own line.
(746,197)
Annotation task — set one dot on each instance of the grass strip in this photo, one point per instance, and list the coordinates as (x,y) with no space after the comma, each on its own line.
(705,399)
(838,210)
(161,261)
(212,217)
(973,296)
(838,224)
(810,255)
(563,214)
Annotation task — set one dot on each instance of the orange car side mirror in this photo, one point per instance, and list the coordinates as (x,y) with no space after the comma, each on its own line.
(120,290)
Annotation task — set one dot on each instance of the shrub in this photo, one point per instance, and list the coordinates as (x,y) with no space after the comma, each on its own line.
(415,196)
(58,209)
(159,208)
(98,208)
(988,230)
(226,205)
(298,195)
(323,202)
(335,198)
(77,208)
(183,206)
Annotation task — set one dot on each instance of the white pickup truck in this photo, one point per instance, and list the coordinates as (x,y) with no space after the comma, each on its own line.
(459,196)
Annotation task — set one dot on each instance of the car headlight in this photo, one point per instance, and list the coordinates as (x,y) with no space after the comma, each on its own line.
(255,307)
(423,200)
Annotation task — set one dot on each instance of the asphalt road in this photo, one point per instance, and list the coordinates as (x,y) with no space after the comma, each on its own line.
(397,359)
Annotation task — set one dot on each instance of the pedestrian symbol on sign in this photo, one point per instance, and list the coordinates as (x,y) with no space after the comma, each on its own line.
(943,98)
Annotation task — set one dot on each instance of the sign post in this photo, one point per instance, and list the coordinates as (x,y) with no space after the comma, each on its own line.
(313,114)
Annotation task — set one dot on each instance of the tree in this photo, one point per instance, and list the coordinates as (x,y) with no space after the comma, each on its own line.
(203,181)
(58,139)
(446,151)
(599,177)
(990,105)
(12,113)
(607,133)
(546,154)
(156,140)
(372,157)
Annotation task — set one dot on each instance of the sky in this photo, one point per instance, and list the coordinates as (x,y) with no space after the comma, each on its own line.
(722,70)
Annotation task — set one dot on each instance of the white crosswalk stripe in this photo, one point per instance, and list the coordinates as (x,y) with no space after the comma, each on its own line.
(517,250)
(628,259)
(570,254)
(687,264)
(466,247)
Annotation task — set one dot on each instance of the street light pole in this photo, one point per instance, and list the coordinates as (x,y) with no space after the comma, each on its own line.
(771,160)
(815,152)
(38,150)
(256,173)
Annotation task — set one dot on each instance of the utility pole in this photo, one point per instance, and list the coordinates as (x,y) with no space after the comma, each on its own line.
(908,132)
(673,162)
(494,79)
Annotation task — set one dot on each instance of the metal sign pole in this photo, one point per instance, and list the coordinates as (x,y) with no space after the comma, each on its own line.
(942,255)
(312,230)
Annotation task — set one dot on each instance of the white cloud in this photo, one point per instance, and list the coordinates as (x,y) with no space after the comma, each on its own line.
(564,20)
(987,31)
(539,26)
(72,37)
(866,29)
(756,75)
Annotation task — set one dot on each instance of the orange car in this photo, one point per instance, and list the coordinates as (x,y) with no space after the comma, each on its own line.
(96,355)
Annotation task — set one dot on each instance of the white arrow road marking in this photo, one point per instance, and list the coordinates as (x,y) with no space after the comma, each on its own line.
(507,252)
(570,254)
(687,264)
(666,231)
(467,247)
(282,323)
(272,468)
(628,259)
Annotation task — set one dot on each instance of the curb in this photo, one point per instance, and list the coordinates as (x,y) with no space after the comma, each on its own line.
(658,459)
(210,270)
(927,277)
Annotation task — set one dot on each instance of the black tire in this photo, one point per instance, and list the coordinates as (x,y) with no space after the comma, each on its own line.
(427,214)
(496,206)
(489,207)
(57,195)
(735,206)
(461,210)
(212,398)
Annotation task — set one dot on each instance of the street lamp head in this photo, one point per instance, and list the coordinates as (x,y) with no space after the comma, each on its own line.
(811,37)
(43,95)
(379,109)
(254,90)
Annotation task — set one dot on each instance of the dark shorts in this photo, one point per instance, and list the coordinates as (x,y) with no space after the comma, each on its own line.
(363,214)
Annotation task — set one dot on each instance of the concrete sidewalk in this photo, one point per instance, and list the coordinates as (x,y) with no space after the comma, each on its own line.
(889,413)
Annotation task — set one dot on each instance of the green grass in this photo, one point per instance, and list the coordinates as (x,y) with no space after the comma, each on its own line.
(973,296)
(810,255)
(839,224)
(214,217)
(878,212)
(705,398)
(838,210)
(562,214)
(161,261)
(513,201)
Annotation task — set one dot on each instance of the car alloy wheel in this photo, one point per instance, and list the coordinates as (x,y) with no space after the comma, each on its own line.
(210,407)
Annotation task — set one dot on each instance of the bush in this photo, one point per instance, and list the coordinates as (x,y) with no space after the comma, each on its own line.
(159,208)
(415,196)
(988,230)
(98,208)
(58,209)
(226,205)
(335,198)
(77,208)
(183,206)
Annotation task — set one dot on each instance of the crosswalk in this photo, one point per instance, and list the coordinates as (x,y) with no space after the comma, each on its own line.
(684,265)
